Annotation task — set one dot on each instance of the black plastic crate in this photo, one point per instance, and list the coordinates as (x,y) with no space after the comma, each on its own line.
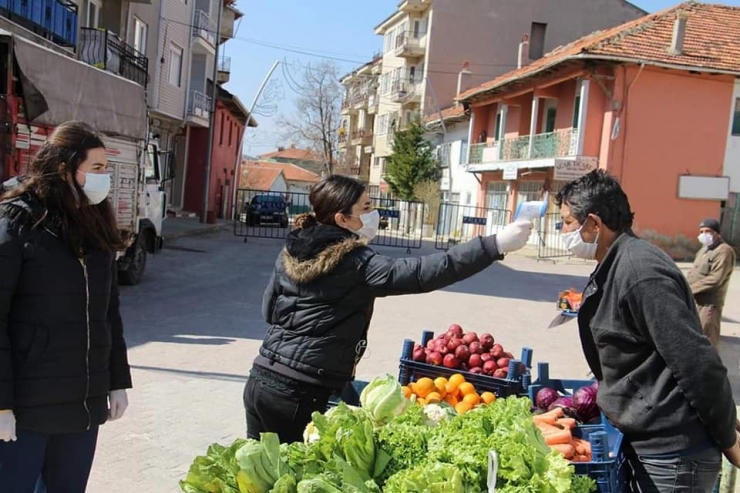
(350,395)
(514,384)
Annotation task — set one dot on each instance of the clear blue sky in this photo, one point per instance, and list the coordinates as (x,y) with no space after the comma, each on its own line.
(343,29)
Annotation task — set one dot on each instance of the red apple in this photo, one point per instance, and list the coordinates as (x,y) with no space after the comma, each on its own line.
(475,360)
(453,344)
(450,361)
(497,351)
(434,358)
(442,349)
(500,373)
(489,367)
(507,354)
(470,337)
(503,363)
(486,357)
(475,347)
(419,355)
(456,330)
(486,340)
(462,353)
(431,344)
(477,370)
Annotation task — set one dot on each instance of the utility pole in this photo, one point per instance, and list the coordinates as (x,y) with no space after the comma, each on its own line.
(212,119)
(244,135)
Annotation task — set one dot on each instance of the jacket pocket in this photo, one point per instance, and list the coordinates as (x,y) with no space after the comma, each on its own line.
(31,342)
(641,397)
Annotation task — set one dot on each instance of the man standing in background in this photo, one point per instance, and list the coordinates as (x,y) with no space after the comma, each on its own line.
(710,277)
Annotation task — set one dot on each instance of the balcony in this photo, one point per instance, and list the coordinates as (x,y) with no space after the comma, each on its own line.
(362,137)
(408,46)
(372,103)
(224,70)
(55,20)
(347,107)
(103,49)
(557,144)
(199,108)
(405,92)
(342,140)
(204,29)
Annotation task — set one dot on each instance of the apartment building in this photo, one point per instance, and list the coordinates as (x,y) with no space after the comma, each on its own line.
(615,100)
(359,107)
(425,42)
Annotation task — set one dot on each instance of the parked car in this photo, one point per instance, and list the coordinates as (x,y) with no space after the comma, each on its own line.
(266,208)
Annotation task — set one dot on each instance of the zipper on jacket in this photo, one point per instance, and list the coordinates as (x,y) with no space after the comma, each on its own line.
(83,263)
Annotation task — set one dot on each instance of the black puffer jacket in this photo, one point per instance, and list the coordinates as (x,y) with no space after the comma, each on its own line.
(320,298)
(61,337)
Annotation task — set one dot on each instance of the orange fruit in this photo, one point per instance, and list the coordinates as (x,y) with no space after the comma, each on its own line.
(467,388)
(472,399)
(451,389)
(406,392)
(488,397)
(424,386)
(421,402)
(451,400)
(457,379)
(441,384)
(433,398)
(462,407)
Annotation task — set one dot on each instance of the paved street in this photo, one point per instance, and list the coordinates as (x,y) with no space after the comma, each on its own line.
(193,327)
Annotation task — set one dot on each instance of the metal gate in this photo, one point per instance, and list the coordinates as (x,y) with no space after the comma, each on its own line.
(460,223)
(549,243)
(271,214)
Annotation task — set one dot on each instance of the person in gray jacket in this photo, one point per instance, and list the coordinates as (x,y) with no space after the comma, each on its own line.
(319,302)
(661,382)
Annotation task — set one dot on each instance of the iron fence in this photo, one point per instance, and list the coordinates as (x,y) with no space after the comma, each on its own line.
(460,223)
(269,214)
(549,243)
(103,49)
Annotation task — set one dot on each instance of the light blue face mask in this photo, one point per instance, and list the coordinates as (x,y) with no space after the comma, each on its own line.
(97,187)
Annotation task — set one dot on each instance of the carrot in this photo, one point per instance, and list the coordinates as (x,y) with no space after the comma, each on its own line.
(548,428)
(582,446)
(549,417)
(581,458)
(558,438)
(567,450)
(566,423)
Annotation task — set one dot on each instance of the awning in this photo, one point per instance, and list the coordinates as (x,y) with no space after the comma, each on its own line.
(58,88)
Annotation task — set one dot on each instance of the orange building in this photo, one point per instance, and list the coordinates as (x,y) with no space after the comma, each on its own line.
(652,101)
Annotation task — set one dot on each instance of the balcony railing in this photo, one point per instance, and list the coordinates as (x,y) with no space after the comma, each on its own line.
(408,45)
(103,49)
(52,19)
(204,27)
(224,64)
(560,143)
(199,104)
(362,135)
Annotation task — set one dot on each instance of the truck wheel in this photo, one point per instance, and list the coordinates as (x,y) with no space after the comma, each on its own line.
(137,264)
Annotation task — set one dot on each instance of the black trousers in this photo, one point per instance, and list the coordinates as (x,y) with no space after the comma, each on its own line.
(63,461)
(277,404)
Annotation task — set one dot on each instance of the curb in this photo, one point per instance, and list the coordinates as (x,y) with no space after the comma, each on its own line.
(198,231)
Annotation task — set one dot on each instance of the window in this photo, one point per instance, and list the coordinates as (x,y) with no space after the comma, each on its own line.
(550,119)
(376,162)
(175,74)
(537,40)
(736,119)
(382,124)
(231,131)
(576,110)
(140,34)
(93,14)
(221,130)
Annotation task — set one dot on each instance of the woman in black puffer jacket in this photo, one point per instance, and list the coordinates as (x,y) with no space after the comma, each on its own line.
(63,363)
(319,302)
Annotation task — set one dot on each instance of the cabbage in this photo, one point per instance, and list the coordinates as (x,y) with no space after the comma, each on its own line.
(564,402)
(584,403)
(545,397)
(383,399)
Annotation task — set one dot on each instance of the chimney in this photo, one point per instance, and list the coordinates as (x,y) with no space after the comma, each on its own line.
(463,79)
(523,57)
(281,149)
(679,33)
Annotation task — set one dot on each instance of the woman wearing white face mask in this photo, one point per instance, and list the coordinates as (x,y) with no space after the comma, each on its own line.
(319,302)
(63,363)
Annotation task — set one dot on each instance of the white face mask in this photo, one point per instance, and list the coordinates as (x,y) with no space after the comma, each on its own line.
(370,222)
(573,241)
(97,187)
(706,239)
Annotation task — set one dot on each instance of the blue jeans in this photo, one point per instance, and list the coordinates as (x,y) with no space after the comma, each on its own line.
(59,463)
(694,472)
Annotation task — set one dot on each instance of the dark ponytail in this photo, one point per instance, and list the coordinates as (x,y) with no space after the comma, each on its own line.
(334,194)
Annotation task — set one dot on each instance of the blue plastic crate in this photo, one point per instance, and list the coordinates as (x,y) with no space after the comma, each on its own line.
(608,465)
(515,383)
(563,386)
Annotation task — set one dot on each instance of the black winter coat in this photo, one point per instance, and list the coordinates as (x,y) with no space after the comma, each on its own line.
(61,338)
(320,298)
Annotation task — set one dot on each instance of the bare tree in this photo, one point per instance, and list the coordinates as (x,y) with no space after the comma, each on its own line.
(317,117)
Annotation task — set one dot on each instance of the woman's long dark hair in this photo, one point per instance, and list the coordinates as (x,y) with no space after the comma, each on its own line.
(50,180)
(333,194)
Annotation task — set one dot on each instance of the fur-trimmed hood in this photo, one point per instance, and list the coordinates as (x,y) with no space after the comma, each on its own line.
(322,263)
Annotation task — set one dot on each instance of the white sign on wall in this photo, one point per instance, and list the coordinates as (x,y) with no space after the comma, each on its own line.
(703,187)
(572,169)
(511,171)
